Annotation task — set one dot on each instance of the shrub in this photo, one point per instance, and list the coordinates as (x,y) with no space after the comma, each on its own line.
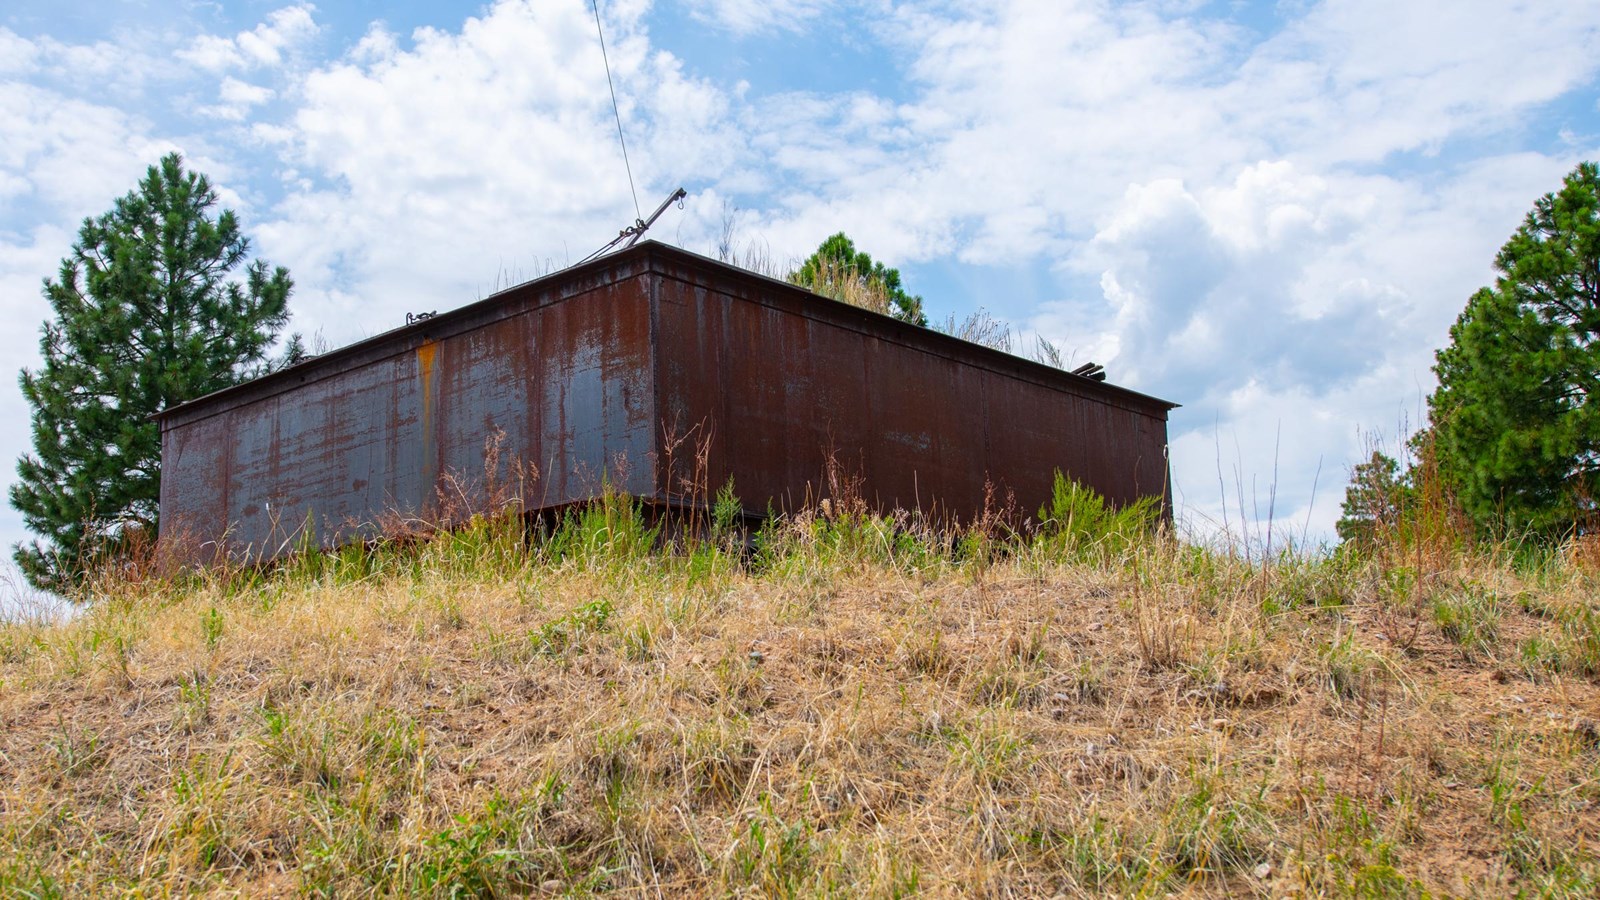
(1079,524)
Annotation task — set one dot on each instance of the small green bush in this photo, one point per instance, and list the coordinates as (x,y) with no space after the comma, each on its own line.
(608,531)
(1078,524)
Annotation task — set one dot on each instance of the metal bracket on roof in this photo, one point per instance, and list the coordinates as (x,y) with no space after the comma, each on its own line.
(627,237)
(1091,371)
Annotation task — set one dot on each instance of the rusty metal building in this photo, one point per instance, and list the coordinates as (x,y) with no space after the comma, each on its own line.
(647,368)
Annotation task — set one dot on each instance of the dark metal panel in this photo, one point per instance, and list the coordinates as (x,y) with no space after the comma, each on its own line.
(594,398)
(335,455)
(400,438)
(928,427)
(508,304)
(194,485)
(1032,431)
(625,369)
(788,383)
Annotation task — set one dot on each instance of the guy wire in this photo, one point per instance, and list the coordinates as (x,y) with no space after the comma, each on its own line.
(616,111)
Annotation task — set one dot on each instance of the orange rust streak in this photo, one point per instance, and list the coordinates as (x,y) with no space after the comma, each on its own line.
(427,354)
(427,360)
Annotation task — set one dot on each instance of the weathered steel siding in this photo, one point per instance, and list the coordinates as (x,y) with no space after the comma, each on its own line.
(599,371)
(386,436)
(784,381)
(194,486)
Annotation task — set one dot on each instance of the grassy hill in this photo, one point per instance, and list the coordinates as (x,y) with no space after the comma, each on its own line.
(855,709)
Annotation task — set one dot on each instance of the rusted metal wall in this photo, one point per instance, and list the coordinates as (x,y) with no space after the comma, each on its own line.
(787,385)
(661,370)
(393,431)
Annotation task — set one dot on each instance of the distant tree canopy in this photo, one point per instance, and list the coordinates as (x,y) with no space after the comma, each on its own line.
(1514,425)
(1376,492)
(840,271)
(146,316)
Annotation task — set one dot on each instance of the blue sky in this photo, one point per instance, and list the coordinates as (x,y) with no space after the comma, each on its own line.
(1268,212)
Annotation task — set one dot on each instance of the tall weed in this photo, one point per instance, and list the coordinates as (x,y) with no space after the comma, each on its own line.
(609,532)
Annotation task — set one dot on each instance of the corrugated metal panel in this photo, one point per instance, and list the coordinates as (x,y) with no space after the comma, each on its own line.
(594,371)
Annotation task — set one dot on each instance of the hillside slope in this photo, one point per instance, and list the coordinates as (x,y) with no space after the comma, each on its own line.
(851,713)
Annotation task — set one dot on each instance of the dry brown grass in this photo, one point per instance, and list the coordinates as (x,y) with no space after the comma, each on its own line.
(841,282)
(861,716)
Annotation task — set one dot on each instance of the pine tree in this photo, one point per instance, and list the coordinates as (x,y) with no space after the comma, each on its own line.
(1516,419)
(146,316)
(840,271)
(1373,500)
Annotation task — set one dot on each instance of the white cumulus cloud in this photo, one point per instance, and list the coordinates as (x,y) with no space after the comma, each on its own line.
(434,172)
(237,98)
(265,45)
